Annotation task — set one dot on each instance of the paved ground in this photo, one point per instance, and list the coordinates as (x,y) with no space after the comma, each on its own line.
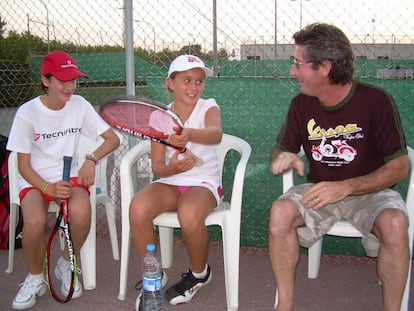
(345,283)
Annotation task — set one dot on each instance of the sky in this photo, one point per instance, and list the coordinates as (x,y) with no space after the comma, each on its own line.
(179,22)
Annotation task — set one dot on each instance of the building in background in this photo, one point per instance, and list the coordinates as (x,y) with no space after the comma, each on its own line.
(361,51)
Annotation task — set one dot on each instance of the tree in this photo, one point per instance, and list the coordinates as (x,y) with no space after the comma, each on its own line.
(194,49)
(2,27)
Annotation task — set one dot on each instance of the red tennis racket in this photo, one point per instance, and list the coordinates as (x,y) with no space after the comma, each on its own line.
(61,280)
(145,118)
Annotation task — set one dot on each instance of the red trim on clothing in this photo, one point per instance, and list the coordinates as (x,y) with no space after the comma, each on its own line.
(48,198)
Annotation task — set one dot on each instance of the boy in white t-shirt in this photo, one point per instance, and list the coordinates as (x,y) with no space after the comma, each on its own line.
(45,129)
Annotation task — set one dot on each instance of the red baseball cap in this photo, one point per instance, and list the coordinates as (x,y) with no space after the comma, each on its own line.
(60,65)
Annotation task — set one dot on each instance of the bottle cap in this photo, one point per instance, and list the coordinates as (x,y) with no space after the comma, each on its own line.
(150,247)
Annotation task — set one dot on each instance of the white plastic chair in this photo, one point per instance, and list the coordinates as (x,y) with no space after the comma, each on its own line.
(345,229)
(102,197)
(227,216)
(88,250)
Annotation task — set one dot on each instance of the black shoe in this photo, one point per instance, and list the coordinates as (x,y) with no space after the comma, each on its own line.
(138,302)
(185,289)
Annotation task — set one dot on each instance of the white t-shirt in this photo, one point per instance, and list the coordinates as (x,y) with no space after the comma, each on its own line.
(208,172)
(48,135)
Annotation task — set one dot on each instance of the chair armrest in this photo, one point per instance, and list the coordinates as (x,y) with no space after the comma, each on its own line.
(410,197)
(244,149)
(288,178)
(125,170)
(13,172)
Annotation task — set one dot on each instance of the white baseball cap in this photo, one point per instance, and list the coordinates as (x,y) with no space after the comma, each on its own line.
(187,62)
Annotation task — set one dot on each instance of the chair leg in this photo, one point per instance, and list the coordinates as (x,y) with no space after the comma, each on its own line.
(125,248)
(166,245)
(231,254)
(314,259)
(14,210)
(88,254)
(406,296)
(276,300)
(110,217)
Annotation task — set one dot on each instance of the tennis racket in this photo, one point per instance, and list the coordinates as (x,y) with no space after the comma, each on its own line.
(59,246)
(145,118)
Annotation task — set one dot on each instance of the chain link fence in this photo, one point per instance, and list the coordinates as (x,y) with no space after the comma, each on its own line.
(247,43)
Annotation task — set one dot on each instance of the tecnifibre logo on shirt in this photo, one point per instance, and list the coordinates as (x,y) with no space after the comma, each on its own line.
(54,135)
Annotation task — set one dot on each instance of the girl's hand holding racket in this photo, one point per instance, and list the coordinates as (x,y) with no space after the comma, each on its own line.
(59,190)
(180,140)
(63,189)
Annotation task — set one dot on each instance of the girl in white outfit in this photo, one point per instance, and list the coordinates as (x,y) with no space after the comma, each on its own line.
(184,186)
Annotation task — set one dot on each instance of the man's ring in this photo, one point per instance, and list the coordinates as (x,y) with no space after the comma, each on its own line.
(281,156)
(317,199)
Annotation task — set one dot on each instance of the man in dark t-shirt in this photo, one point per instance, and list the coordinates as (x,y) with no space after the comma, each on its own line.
(352,137)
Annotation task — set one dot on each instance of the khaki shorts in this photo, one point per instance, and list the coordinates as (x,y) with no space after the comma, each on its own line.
(361,211)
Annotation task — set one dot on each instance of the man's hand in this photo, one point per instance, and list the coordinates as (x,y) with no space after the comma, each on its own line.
(286,160)
(325,192)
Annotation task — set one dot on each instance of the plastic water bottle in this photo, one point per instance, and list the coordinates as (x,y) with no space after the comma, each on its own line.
(151,281)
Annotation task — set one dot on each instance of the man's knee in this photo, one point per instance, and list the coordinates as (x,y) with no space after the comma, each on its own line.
(391,226)
(283,217)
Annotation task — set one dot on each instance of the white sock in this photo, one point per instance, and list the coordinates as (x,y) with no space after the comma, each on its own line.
(39,276)
(201,275)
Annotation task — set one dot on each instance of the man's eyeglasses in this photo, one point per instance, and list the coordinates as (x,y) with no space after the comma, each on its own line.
(299,64)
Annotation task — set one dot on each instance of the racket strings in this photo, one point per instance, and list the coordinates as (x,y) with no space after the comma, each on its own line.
(163,123)
(144,119)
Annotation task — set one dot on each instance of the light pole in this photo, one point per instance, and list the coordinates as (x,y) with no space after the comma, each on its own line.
(373,38)
(47,25)
(191,44)
(275,44)
(300,13)
(215,55)
(123,27)
(78,45)
(153,31)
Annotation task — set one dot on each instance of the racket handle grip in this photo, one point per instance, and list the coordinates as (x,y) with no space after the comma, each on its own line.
(67,161)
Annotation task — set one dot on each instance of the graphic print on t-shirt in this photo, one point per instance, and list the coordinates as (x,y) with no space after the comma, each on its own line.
(332,146)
